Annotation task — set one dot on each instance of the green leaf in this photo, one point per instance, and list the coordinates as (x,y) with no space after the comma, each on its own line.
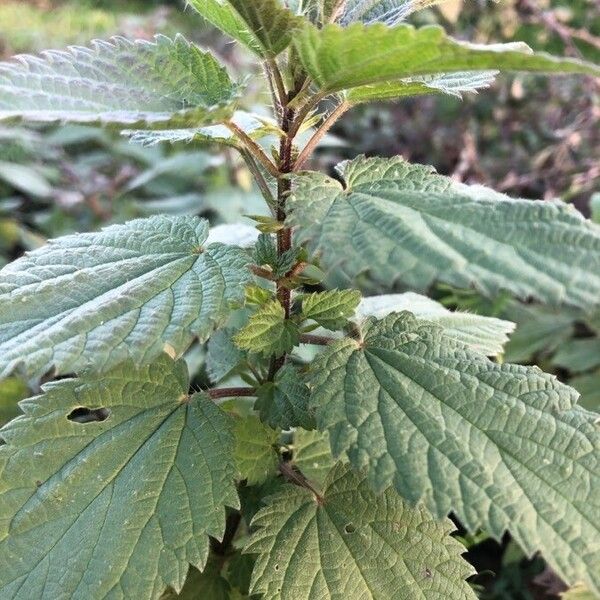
(390,12)
(254,452)
(254,126)
(483,334)
(128,291)
(578,355)
(12,390)
(312,455)
(353,544)
(340,58)
(451,84)
(589,388)
(263,26)
(330,309)
(398,221)
(25,179)
(268,332)
(540,330)
(501,446)
(152,84)
(127,471)
(283,403)
(223,355)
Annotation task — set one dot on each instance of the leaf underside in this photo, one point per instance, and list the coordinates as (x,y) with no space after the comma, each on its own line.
(160,84)
(124,292)
(339,58)
(501,446)
(139,491)
(354,544)
(390,12)
(402,222)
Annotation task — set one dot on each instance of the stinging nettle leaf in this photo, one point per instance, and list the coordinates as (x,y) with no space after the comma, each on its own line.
(263,26)
(486,335)
(126,499)
(254,452)
(330,309)
(283,403)
(451,84)
(398,221)
(165,83)
(268,332)
(501,446)
(222,354)
(390,12)
(127,291)
(340,58)
(312,455)
(353,544)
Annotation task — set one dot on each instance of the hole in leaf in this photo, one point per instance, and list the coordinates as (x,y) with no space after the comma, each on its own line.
(349,528)
(81,414)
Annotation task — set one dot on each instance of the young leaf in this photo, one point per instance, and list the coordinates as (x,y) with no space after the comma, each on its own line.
(340,58)
(283,403)
(269,332)
(330,309)
(390,12)
(501,446)
(312,455)
(404,222)
(263,26)
(126,470)
(127,291)
(353,544)
(223,355)
(151,84)
(254,452)
(485,335)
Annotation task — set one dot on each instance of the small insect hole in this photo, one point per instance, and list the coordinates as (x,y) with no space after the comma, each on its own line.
(349,528)
(81,414)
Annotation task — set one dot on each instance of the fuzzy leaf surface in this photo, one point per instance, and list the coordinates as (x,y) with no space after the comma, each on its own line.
(330,309)
(404,222)
(339,58)
(283,403)
(165,83)
(312,455)
(254,452)
(354,544)
(222,354)
(502,446)
(390,12)
(268,332)
(486,335)
(96,299)
(140,491)
(263,26)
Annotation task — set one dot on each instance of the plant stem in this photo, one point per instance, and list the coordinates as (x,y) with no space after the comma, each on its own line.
(315,340)
(238,392)
(263,186)
(255,150)
(276,74)
(327,124)
(300,480)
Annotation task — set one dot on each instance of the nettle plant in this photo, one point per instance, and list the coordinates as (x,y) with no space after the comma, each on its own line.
(355,426)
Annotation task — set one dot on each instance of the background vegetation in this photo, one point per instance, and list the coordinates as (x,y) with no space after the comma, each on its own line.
(528,137)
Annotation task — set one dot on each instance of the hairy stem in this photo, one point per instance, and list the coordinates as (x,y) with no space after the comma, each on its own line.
(255,150)
(263,186)
(327,124)
(315,340)
(234,392)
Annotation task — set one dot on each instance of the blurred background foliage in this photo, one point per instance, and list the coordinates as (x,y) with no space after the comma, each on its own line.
(527,136)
